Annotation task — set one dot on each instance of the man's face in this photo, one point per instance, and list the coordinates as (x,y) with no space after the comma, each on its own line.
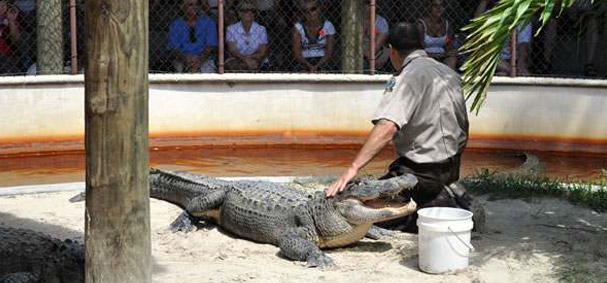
(190,7)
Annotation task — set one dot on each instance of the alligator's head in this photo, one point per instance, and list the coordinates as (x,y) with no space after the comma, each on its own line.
(371,201)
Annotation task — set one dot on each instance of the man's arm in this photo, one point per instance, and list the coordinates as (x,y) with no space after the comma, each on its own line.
(380,135)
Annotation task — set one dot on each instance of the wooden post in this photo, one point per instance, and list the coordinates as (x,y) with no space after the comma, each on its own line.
(49,37)
(352,39)
(117,216)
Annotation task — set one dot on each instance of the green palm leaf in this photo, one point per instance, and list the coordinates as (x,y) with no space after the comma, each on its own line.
(488,35)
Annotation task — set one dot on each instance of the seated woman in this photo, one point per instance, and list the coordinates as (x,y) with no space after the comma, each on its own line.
(382,51)
(313,40)
(247,41)
(193,40)
(436,34)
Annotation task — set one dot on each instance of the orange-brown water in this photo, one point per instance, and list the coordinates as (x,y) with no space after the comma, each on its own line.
(268,161)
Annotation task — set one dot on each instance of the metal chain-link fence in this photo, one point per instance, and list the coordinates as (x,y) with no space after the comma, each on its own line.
(292,36)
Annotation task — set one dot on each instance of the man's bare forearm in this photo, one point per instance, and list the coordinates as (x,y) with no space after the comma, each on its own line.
(380,136)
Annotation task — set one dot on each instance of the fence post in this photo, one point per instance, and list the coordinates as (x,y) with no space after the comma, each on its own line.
(49,37)
(73,38)
(371,28)
(117,213)
(221,45)
(352,33)
(513,39)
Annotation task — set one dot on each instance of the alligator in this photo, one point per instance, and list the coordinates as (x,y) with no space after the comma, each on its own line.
(299,222)
(28,256)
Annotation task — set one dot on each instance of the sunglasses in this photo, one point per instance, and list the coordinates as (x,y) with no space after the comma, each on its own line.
(192,34)
(247,10)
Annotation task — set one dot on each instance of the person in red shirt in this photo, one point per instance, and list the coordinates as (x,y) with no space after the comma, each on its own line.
(10,35)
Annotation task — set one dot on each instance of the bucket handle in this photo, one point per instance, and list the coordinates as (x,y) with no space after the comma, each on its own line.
(460,239)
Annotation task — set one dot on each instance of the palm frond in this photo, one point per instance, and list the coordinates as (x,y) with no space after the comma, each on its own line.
(489,33)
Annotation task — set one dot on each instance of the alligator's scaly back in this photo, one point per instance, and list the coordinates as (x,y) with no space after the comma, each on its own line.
(29,256)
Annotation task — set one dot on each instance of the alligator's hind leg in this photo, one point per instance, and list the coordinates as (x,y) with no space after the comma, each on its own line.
(294,245)
(205,207)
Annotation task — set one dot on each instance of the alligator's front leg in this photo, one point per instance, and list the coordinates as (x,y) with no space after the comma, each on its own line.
(199,207)
(295,245)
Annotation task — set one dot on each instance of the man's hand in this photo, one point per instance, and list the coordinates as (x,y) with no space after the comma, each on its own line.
(341,183)
(251,63)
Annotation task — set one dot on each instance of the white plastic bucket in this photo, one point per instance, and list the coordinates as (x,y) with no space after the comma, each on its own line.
(444,239)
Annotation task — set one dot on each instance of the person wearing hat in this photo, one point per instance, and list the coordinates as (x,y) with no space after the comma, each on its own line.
(423,112)
(247,41)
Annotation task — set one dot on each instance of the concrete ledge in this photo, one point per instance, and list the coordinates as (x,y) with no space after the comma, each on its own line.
(288,78)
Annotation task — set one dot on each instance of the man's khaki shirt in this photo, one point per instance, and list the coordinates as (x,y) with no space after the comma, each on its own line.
(425,101)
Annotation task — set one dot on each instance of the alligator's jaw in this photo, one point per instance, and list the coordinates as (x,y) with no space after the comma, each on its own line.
(358,213)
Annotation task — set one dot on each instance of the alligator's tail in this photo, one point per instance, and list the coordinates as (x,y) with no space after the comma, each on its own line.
(180,188)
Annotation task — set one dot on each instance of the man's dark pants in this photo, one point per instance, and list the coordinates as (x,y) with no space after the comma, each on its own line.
(430,189)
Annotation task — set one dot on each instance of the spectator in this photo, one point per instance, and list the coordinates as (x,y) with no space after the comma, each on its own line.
(247,41)
(10,35)
(267,13)
(382,52)
(581,12)
(313,40)
(437,35)
(193,40)
(523,40)
(27,46)
(212,10)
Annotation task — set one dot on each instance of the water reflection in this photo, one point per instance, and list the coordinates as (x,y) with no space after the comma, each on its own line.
(283,162)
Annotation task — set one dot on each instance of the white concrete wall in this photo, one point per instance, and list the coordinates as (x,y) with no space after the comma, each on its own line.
(47,112)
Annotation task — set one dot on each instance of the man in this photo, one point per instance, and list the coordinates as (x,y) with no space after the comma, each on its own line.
(424,113)
(193,40)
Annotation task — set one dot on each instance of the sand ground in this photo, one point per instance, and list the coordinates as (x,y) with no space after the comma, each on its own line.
(528,240)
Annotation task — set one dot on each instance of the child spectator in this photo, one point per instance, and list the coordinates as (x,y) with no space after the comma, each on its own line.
(382,52)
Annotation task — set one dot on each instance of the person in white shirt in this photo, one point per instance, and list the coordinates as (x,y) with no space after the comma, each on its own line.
(247,41)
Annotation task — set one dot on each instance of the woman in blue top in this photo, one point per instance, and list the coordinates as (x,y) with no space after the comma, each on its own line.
(193,40)
(313,40)
(437,35)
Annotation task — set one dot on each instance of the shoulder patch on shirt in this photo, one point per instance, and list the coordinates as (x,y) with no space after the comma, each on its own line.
(390,85)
